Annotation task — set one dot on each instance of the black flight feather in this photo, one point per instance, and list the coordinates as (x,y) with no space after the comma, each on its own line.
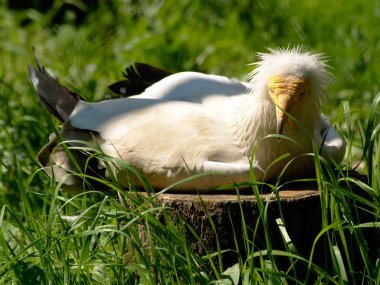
(138,77)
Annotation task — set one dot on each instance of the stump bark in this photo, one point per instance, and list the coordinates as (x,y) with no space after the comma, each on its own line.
(218,220)
(300,208)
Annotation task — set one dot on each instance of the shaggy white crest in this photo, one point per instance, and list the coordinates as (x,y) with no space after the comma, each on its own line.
(290,62)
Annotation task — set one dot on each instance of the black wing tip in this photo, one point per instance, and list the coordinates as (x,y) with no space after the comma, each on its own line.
(127,88)
(145,71)
(132,72)
(138,77)
(119,87)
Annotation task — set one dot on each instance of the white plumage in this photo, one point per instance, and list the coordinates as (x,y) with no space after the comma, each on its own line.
(191,123)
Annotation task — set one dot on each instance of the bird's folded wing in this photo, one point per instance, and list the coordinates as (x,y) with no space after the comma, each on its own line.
(94,116)
(193,87)
(333,146)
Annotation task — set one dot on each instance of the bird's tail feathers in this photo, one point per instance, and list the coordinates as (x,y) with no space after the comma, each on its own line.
(56,98)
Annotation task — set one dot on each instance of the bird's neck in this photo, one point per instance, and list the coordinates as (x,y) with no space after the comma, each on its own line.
(252,119)
(255,118)
(307,116)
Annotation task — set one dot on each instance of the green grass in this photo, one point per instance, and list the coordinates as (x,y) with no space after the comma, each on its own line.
(93,238)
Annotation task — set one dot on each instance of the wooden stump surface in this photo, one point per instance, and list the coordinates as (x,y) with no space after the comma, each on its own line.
(302,216)
(301,210)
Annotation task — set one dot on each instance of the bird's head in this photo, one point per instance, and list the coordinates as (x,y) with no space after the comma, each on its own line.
(294,81)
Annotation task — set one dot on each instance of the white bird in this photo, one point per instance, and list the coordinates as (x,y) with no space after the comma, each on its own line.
(190,123)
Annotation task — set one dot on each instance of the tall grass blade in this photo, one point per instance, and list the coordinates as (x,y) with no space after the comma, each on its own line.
(341,267)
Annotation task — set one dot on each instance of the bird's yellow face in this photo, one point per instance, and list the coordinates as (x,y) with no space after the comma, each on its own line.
(287,93)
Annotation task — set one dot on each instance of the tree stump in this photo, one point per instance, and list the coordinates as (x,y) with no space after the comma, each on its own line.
(218,221)
(301,212)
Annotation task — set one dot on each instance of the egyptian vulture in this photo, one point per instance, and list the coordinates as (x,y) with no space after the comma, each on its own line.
(191,123)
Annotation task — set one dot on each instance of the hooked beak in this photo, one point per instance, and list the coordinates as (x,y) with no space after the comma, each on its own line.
(280,124)
(282,90)
(283,103)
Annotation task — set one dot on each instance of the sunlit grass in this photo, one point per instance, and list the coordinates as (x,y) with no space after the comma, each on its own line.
(95,237)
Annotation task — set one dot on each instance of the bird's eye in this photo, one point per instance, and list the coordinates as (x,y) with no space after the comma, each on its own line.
(302,94)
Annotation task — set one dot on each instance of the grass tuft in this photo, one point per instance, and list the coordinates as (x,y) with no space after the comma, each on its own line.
(95,237)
